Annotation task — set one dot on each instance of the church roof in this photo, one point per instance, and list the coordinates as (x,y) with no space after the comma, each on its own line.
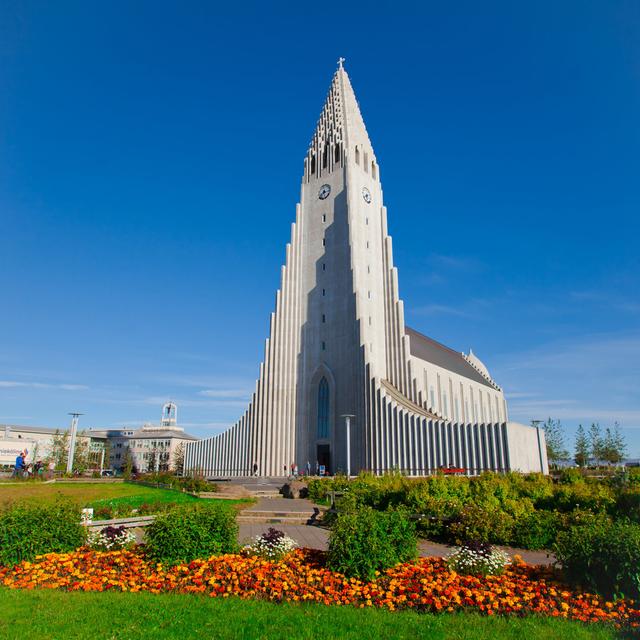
(430,350)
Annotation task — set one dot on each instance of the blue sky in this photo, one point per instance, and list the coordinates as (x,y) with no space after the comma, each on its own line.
(150,159)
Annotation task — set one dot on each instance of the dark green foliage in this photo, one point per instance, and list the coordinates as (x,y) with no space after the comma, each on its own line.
(165,479)
(367,541)
(535,530)
(603,556)
(190,532)
(628,502)
(481,524)
(30,530)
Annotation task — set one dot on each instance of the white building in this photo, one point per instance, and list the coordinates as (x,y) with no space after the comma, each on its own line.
(153,447)
(338,345)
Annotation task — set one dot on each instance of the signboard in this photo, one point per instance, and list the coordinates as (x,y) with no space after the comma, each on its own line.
(9,450)
(322,470)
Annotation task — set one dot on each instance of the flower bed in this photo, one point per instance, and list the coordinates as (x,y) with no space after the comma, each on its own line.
(424,585)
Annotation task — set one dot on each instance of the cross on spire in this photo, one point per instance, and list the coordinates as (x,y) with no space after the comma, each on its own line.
(340,61)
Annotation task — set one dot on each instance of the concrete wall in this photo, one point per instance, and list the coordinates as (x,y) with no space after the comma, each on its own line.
(527,448)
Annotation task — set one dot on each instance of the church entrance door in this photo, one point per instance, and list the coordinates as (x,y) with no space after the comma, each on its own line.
(323,454)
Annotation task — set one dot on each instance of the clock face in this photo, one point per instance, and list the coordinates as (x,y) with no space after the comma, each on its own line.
(324,192)
(366,194)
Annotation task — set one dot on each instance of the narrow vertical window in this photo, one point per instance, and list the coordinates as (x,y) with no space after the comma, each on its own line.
(324,345)
(322,430)
(324,242)
(366,220)
(369,320)
(367,244)
(324,318)
(324,217)
(324,292)
(357,155)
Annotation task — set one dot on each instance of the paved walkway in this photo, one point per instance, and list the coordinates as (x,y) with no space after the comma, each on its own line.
(284,505)
(317,538)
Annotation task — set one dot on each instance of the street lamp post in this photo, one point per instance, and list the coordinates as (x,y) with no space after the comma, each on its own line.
(72,440)
(347,418)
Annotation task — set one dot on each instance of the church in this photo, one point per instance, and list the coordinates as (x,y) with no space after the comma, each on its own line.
(345,385)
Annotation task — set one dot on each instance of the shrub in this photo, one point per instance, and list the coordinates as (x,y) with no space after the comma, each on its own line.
(111,538)
(628,503)
(272,545)
(104,512)
(477,559)
(603,556)
(367,541)
(30,530)
(536,530)
(194,531)
(481,524)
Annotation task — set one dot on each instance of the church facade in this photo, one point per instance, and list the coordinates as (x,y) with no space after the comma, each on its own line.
(338,346)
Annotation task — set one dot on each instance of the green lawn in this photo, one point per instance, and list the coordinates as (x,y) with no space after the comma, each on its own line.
(63,615)
(121,496)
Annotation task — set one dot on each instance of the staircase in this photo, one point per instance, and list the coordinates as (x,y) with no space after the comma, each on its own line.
(279,510)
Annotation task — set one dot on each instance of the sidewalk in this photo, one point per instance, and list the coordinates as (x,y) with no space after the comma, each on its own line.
(318,537)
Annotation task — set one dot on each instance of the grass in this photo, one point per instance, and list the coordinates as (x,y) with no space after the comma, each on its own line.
(58,614)
(121,496)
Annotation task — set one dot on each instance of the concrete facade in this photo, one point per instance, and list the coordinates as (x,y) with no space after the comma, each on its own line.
(338,344)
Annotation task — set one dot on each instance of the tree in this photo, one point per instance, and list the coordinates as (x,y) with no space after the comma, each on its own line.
(582,447)
(554,436)
(153,460)
(178,459)
(596,443)
(127,467)
(59,450)
(613,447)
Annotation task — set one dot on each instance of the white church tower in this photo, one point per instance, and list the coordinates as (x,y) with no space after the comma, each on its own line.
(338,345)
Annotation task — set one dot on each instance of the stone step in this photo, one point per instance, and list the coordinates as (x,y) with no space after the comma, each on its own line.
(274,520)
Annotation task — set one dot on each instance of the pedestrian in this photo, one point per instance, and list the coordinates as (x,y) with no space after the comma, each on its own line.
(317,468)
(255,468)
(308,468)
(19,468)
(285,470)
(51,470)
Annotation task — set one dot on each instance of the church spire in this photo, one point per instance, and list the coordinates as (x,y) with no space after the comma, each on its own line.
(340,132)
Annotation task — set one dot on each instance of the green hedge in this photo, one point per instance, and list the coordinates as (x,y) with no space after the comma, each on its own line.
(190,532)
(604,556)
(30,530)
(522,510)
(367,541)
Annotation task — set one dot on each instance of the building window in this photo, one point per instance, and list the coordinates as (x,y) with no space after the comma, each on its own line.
(368,269)
(373,170)
(323,409)
(366,220)
(369,295)
(357,155)
(369,320)
(324,266)
(324,217)
(324,345)
(324,292)
(324,242)
(324,318)
(367,244)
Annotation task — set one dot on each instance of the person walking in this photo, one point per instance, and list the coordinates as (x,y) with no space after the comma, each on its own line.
(255,468)
(308,468)
(18,470)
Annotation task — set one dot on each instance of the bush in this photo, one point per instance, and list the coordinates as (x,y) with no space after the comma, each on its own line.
(30,530)
(603,556)
(477,559)
(367,541)
(628,503)
(190,532)
(271,545)
(536,530)
(111,538)
(481,524)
